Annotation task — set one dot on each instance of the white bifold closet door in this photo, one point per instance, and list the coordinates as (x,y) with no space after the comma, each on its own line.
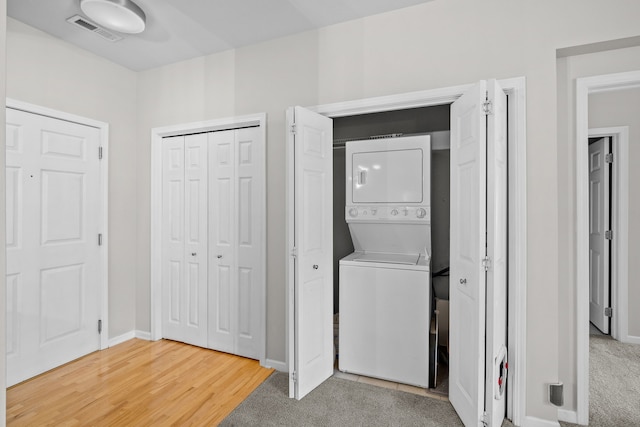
(184,243)
(235,247)
(478,293)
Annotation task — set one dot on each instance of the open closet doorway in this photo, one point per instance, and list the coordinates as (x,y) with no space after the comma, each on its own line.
(313,146)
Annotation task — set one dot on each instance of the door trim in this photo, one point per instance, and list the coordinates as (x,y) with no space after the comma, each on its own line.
(584,87)
(517,276)
(155,296)
(103,221)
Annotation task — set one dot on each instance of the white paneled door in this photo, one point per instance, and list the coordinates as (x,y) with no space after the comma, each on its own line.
(213,243)
(599,245)
(184,250)
(53,255)
(312,284)
(235,242)
(477,363)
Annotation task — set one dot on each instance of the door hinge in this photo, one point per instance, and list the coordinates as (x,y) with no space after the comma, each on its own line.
(486,263)
(100,153)
(608,312)
(100,239)
(100,326)
(293,129)
(294,252)
(608,157)
(608,235)
(484,419)
(294,376)
(487,107)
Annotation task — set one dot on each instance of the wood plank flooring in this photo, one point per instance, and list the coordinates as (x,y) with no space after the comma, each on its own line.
(137,383)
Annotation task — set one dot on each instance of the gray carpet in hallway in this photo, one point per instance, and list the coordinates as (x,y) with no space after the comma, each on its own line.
(614,383)
(339,402)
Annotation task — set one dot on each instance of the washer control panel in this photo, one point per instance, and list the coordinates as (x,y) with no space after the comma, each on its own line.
(388,213)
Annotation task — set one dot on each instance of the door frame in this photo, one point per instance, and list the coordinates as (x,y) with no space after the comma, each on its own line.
(619,209)
(155,296)
(103,220)
(584,87)
(515,88)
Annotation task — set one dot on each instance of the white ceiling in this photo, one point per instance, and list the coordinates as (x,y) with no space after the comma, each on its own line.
(184,29)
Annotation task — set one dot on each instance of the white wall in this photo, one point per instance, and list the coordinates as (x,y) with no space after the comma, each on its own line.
(3,282)
(437,44)
(568,70)
(622,108)
(45,71)
(433,45)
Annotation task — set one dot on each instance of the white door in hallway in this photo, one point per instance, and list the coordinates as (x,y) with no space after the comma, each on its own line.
(599,245)
(311,287)
(477,362)
(53,256)
(184,239)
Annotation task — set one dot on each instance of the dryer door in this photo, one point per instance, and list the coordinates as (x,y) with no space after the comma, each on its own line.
(389,171)
(388,176)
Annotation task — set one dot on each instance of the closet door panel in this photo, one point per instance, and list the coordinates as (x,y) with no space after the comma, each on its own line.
(249,170)
(173,236)
(195,246)
(222,299)
(184,242)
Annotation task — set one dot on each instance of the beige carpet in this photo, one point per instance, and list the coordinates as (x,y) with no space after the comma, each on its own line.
(614,383)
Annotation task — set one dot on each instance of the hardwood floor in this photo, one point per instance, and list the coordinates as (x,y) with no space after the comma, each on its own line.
(137,383)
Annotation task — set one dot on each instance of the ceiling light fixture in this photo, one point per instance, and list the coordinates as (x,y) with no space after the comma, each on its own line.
(119,15)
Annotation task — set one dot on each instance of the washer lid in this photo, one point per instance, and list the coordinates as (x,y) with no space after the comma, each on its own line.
(407,259)
(386,237)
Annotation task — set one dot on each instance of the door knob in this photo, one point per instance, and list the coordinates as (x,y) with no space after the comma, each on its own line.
(315,266)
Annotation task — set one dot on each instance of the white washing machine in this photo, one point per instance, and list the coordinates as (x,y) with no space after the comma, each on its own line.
(385,289)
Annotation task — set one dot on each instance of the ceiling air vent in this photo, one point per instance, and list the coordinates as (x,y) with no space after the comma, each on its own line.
(83,23)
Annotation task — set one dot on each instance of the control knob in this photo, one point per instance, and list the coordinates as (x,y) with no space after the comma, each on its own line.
(421,213)
(394,212)
(353,212)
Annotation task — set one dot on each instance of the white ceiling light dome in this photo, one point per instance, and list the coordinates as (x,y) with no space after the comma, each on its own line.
(119,15)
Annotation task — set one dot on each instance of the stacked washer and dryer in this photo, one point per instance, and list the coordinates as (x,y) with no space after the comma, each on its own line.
(385,284)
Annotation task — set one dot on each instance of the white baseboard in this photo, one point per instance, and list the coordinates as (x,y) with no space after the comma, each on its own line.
(538,422)
(630,339)
(143,335)
(568,416)
(121,338)
(276,364)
